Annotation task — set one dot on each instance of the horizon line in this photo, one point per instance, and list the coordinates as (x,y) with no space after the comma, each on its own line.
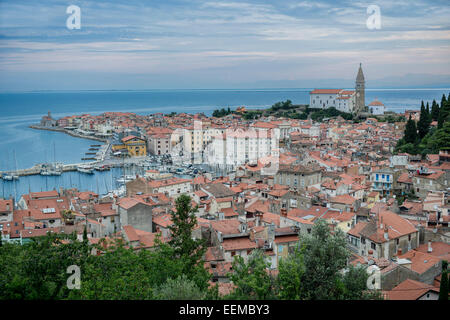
(217,89)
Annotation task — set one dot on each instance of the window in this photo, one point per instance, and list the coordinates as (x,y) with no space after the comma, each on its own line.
(363,240)
(373,245)
(233,253)
(249,251)
(409,237)
(397,241)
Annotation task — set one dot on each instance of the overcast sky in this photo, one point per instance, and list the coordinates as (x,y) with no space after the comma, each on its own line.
(133,44)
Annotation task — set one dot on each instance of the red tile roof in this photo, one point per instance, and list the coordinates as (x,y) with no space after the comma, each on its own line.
(238,244)
(410,290)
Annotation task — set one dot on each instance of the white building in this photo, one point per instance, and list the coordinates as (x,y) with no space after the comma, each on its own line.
(236,147)
(342,100)
(350,101)
(376,107)
(323,98)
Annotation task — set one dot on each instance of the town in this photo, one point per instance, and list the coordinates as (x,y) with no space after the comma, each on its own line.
(392,207)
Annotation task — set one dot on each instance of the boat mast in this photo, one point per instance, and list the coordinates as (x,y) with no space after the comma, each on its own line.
(15,189)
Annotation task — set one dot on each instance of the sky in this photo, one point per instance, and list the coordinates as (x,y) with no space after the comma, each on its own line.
(174,44)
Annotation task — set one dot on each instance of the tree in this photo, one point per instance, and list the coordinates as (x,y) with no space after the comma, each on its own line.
(430,118)
(444,287)
(410,131)
(423,125)
(444,112)
(325,255)
(439,140)
(118,274)
(180,288)
(187,249)
(252,279)
(355,285)
(291,270)
(221,112)
(434,111)
(37,270)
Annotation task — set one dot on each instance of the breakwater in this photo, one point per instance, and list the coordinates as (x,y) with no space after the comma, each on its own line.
(69,132)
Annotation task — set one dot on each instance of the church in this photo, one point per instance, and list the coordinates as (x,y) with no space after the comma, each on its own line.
(350,101)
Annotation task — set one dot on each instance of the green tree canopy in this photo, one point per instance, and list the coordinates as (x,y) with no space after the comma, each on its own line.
(423,125)
(186,248)
(410,131)
(180,288)
(444,112)
(252,278)
(434,111)
(290,273)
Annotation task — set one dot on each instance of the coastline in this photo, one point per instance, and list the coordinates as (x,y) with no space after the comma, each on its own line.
(70,133)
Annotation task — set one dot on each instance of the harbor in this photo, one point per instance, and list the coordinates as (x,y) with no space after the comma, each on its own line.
(104,178)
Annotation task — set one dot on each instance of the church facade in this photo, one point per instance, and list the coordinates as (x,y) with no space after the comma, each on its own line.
(350,101)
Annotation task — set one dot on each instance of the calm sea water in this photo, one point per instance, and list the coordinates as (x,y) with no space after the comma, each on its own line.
(24,147)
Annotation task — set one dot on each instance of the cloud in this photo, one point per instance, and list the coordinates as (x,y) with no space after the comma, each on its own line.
(264,39)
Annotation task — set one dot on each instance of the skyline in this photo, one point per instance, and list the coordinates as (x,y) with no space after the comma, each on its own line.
(137,45)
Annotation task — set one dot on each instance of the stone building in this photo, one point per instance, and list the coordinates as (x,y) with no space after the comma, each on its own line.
(299,176)
(383,236)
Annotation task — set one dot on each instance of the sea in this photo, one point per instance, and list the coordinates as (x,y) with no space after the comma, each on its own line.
(22,147)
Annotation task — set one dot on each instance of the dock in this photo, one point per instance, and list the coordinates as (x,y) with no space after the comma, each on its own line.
(36,169)
(99,162)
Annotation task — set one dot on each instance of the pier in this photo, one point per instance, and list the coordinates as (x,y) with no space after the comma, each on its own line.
(36,169)
(69,132)
(98,158)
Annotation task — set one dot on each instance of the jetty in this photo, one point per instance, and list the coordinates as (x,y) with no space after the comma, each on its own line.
(98,162)
(69,132)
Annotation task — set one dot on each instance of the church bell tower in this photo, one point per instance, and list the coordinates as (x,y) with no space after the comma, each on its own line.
(360,91)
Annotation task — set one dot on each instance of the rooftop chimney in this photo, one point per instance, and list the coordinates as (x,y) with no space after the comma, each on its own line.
(430,249)
(386,234)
